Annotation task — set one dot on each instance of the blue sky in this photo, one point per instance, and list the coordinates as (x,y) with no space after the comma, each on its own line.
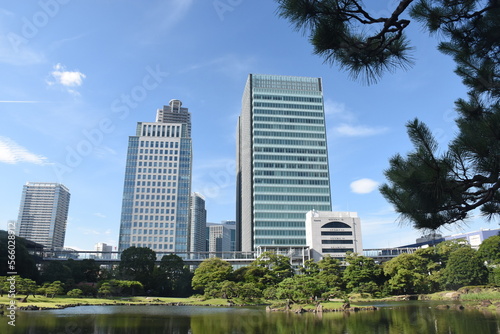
(76,77)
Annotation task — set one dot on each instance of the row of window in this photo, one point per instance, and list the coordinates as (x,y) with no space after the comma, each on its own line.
(159,144)
(275,242)
(155,164)
(289,134)
(155,184)
(153,190)
(154,246)
(299,224)
(291,181)
(150,217)
(287,105)
(337,250)
(153,176)
(154,170)
(161,130)
(155,225)
(280,232)
(156,151)
(156,197)
(158,157)
(289,142)
(289,127)
(288,113)
(289,173)
(336,233)
(288,98)
(292,198)
(289,166)
(287,120)
(290,157)
(337,242)
(292,207)
(155,232)
(323,190)
(153,204)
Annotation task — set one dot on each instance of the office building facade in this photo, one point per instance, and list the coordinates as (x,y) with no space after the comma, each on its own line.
(198,235)
(157,187)
(219,240)
(43,214)
(282,160)
(333,233)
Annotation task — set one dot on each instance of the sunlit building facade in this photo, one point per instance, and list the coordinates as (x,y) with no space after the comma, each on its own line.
(157,187)
(43,214)
(282,160)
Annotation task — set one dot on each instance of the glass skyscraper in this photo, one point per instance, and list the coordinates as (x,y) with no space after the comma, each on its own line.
(282,160)
(43,213)
(157,187)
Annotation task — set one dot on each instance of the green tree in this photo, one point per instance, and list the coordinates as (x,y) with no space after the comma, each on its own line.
(55,271)
(137,263)
(105,289)
(249,291)
(86,270)
(464,268)
(310,267)
(211,271)
(360,272)
(300,288)
(429,189)
(275,267)
(173,277)
(54,288)
(25,264)
(330,271)
(409,274)
(489,250)
(75,293)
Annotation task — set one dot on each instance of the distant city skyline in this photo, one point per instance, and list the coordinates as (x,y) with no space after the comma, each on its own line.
(71,93)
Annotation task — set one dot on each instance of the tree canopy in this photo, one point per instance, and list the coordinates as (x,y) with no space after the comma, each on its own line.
(429,187)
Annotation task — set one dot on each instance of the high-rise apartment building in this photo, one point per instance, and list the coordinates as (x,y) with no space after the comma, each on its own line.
(157,187)
(43,213)
(198,235)
(282,160)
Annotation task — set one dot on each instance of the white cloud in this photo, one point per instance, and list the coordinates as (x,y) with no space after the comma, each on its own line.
(363,186)
(358,130)
(338,110)
(100,215)
(231,65)
(66,78)
(13,153)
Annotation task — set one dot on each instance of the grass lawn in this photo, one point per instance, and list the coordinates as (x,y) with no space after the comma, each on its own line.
(47,302)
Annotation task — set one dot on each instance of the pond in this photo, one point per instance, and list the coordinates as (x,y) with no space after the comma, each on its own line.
(402,317)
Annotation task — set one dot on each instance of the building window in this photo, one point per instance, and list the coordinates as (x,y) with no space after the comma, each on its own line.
(335,225)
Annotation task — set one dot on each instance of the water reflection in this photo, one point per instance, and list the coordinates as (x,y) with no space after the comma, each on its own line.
(408,319)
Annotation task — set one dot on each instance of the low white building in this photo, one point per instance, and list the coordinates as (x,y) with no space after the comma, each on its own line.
(333,233)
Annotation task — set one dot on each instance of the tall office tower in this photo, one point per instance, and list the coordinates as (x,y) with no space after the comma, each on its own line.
(43,213)
(282,160)
(231,225)
(198,223)
(219,239)
(157,187)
